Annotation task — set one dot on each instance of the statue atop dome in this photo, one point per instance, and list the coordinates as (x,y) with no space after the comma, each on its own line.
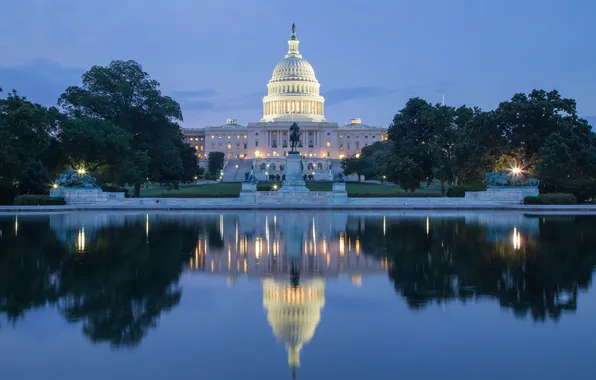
(293,29)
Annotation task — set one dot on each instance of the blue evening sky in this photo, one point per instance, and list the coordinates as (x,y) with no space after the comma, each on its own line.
(216,56)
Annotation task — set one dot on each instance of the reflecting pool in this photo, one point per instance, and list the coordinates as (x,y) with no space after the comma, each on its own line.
(282,295)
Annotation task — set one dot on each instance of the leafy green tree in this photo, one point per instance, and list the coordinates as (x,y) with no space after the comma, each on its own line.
(479,143)
(25,134)
(125,96)
(35,179)
(355,165)
(215,163)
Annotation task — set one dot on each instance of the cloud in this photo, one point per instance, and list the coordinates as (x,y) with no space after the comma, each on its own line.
(41,81)
(202,100)
(207,93)
(341,95)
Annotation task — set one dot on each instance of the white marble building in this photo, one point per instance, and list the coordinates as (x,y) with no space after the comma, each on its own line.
(293,95)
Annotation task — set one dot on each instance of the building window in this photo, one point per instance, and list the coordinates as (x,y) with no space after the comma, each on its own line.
(263,166)
(237,145)
(310,166)
(328,155)
(328,134)
(201,139)
(285,143)
(357,144)
(272,166)
(213,146)
(282,166)
(229,156)
(365,137)
(229,145)
(348,136)
(310,144)
(212,136)
(348,145)
(196,147)
(274,144)
(202,147)
(341,146)
(328,143)
(244,145)
(228,136)
(256,142)
(256,134)
(310,133)
(319,166)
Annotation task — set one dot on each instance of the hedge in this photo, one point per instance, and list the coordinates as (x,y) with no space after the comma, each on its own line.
(115,189)
(551,199)
(37,200)
(460,191)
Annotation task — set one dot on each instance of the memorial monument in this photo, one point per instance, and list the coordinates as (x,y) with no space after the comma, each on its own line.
(294,181)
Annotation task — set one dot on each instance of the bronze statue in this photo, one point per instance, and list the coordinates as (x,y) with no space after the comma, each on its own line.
(293,28)
(294,137)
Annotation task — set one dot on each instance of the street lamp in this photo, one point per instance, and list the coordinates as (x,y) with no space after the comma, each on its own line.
(81,171)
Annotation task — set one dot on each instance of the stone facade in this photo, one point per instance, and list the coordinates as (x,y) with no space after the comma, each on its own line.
(507,194)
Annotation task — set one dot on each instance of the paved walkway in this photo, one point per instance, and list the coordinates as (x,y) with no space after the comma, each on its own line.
(379,204)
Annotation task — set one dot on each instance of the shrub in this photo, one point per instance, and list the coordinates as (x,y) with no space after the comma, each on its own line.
(37,200)
(551,199)
(267,186)
(460,191)
(583,189)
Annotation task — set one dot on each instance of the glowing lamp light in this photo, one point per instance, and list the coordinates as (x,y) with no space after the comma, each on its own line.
(516,171)
(274,187)
(81,171)
(55,186)
(357,155)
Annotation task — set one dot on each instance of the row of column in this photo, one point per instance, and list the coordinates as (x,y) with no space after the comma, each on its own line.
(277,107)
(304,137)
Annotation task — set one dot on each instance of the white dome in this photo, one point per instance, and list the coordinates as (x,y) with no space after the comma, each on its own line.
(293,91)
(293,69)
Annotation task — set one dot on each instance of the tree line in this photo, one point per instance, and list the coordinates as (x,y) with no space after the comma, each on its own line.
(116,124)
(540,132)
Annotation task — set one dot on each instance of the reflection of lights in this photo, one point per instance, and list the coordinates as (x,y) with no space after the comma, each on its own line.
(16,225)
(258,245)
(221,226)
(342,243)
(384,225)
(427,225)
(357,246)
(147,226)
(357,280)
(81,239)
(516,239)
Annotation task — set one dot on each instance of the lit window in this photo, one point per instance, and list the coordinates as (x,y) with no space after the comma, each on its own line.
(328,143)
(228,136)
(212,136)
(196,147)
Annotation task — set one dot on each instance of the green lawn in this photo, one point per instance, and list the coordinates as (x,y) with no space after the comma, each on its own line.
(195,191)
(233,189)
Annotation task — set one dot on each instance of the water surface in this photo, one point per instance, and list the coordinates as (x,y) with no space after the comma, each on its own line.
(310,295)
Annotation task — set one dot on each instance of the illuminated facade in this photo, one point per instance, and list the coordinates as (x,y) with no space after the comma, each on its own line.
(292,95)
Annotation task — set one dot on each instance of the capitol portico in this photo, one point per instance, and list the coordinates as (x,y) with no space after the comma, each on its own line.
(293,95)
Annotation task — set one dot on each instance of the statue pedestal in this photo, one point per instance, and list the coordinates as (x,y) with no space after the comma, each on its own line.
(340,195)
(248,193)
(80,195)
(294,183)
(503,194)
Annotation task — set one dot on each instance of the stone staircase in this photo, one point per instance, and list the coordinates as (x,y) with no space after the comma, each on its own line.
(244,167)
(230,171)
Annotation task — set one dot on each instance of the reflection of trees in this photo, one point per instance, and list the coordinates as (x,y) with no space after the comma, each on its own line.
(118,287)
(456,260)
(29,261)
(123,282)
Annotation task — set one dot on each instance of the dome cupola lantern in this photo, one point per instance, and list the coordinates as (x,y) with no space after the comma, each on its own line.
(293,91)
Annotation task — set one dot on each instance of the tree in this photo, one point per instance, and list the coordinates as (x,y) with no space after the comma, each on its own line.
(25,134)
(124,95)
(215,163)
(479,143)
(35,179)
(354,165)
(442,144)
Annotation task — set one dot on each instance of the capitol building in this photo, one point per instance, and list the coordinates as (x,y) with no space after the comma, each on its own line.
(293,95)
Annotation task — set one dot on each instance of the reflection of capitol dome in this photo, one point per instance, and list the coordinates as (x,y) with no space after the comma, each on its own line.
(293,91)
(294,312)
